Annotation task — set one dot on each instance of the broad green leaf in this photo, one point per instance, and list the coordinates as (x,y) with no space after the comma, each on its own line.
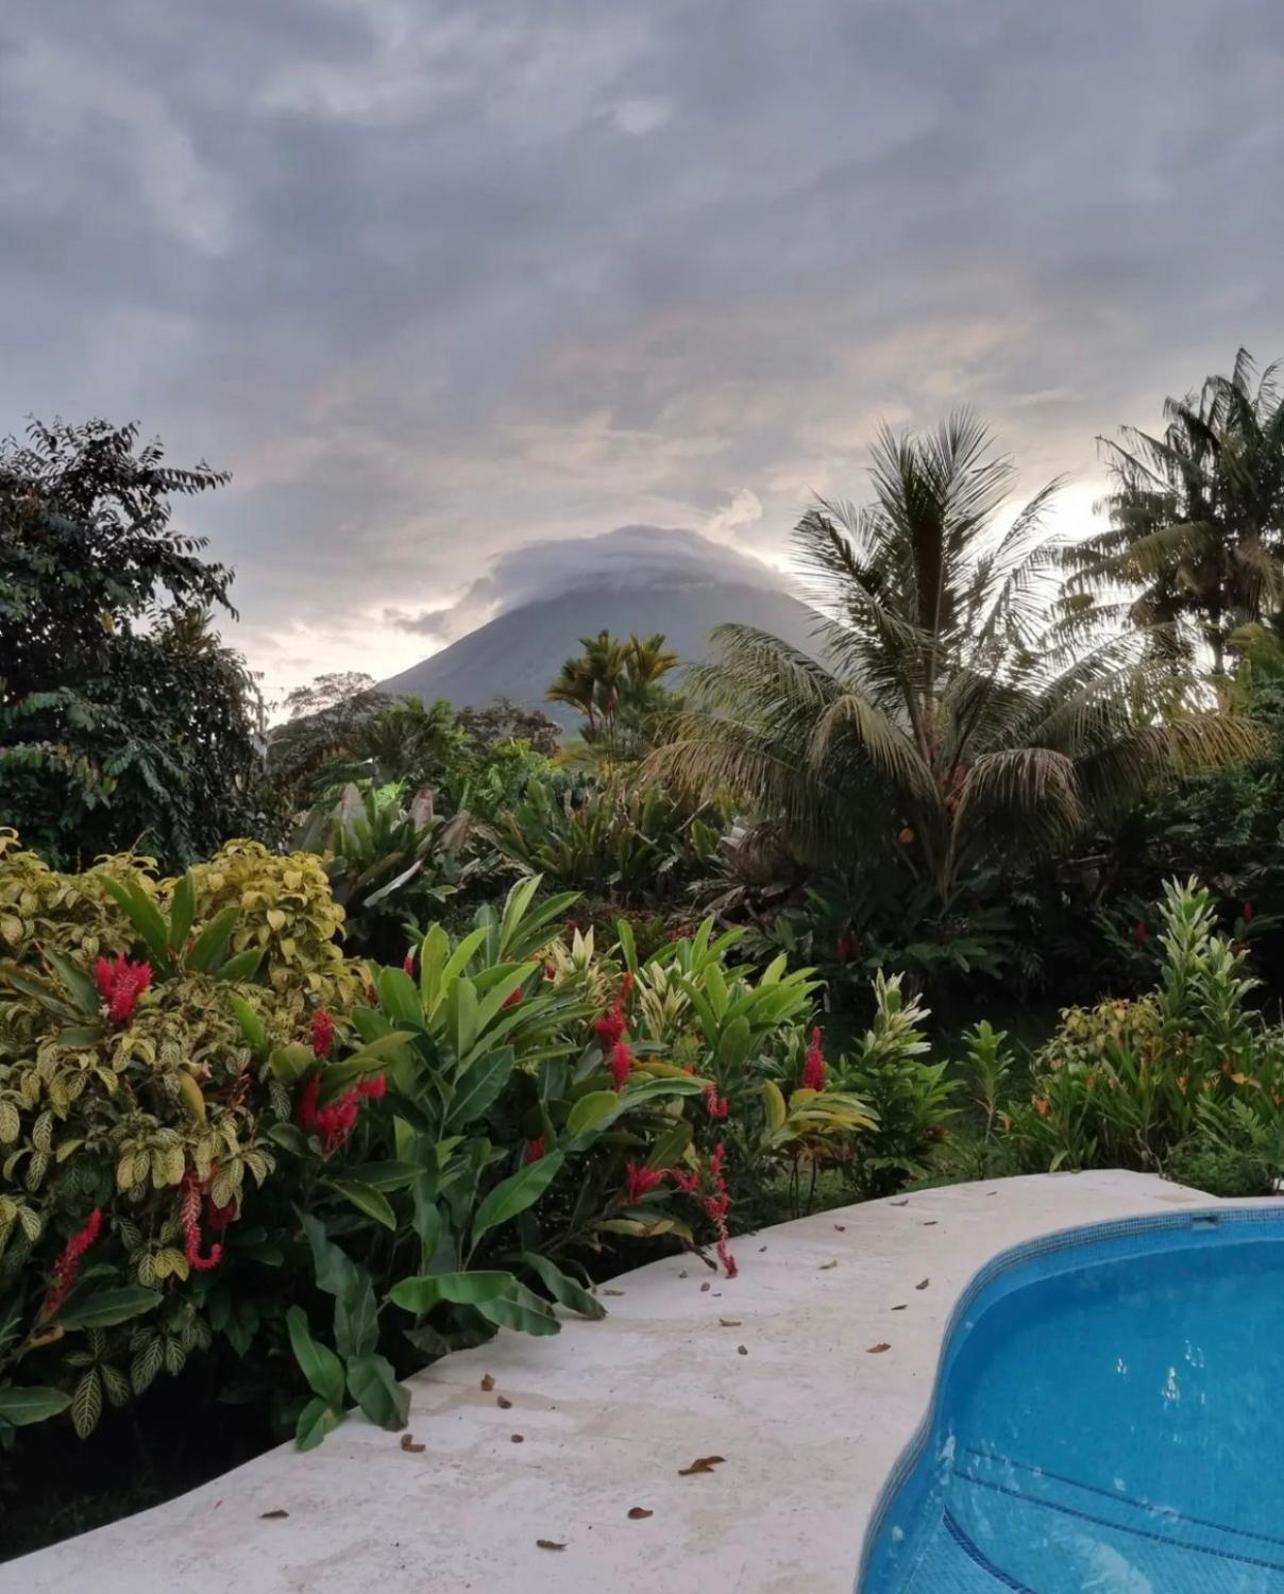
(564,1290)
(421,1294)
(356,1318)
(252,1026)
(316,1420)
(182,910)
(593,1112)
(243,966)
(478,1087)
(23,1405)
(366,1060)
(527,1316)
(734,1046)
(290,1062)
(774,1104)
(384,1175)
(628,945)
(658,1089)
(368,1200)
(79,985)
(373,1385)
(143,914)
(213,939)
(500,992)
(336,1273)
(461,1007)
(399,998)
(320,1366)
(519,1191)
(106,1308)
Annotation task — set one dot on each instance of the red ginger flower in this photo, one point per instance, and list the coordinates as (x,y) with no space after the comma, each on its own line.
(120,984)
(408,962)
(718,1106)
(67,1268)
(513,998)
(641,1181)
(813,1074)
(1141,932)
(610,1027)
(714,1200)
(189,1216)
(374,1089)
(534,1150)
(337,1119)
(621,1063)
(322,1033)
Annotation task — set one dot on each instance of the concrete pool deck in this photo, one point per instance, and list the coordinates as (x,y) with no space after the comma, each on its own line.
(779,1372)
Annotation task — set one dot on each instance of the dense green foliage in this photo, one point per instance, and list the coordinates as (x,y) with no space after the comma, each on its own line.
(123,720)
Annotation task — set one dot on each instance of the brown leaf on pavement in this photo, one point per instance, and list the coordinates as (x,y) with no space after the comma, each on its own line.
(701,1464)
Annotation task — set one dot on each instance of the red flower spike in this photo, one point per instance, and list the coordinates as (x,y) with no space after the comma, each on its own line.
(120,984)
(513,998)
(534,1150)
(305,1114)
(718,1106)
(189,1214)
(639,1182)
(1141,932)
(813,1074)
(374,1089)
(67,1268)
(408,963)
(621,1063)
(322,1033)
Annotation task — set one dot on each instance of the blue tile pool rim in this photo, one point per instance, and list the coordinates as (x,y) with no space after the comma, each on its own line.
(1078,1238)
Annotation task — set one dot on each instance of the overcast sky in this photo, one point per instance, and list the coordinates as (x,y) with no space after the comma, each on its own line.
(436,280)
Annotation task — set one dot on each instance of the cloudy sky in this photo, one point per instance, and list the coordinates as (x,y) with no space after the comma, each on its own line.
(436,280)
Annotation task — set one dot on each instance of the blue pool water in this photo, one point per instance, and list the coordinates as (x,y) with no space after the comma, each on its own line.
(1109,1419)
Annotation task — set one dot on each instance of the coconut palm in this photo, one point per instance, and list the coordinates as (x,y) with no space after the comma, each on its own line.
(942,714)
(1197,515)
(615,685)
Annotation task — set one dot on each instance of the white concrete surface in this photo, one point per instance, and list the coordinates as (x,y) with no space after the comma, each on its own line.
(809,1422)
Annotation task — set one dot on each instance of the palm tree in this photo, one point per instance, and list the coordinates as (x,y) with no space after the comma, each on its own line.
(614,684)
(943,717)
(1197,515)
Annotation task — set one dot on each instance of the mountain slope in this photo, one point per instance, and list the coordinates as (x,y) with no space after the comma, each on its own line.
(641,579)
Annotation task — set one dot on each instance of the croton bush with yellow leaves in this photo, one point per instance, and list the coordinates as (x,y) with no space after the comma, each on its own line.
(221,1137)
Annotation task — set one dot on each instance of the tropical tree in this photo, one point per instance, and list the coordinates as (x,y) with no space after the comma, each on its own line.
(616,684)
(1196,534)
(124,720)
(943,716)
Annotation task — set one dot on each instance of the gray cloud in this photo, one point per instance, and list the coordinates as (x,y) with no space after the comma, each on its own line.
(439,282)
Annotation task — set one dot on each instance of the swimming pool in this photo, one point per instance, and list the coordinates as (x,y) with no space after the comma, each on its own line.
(1108,1419)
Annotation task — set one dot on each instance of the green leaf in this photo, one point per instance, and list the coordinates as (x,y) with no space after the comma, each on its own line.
(500,991)
(399,998)
(628,945)
(366,1060)
(214,938)
(79,985)
(384,1175)
(252,1026)
(356,1318)
(657,1089)
(421,1294)
(182,910)
(774,1104)
(316,1420)
(368,1200)
(290,1062)
(289,1136)
(373,1385)
(143,914)
(525,1313)
(106,1308)
(565,1291)
(336,1273)
(461,1008)
(24,1404)
(320,1366)
(479,1086)
(244,966)
(519,1191)
(593,1112)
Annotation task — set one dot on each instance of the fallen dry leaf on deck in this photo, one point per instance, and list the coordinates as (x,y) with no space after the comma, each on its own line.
(612,1292)
(841,1227)
(701,1464)
(923,1285)
(742,1350)
(729,1322)
(639,1513)
(904,1203)
(900,1308)
(272,1516)
(705,1286)
(549,1544)
(930,1223)
(877,1350)
(408,1443)
(503,1402)
(487,1383)
(825,1267)
(518,1438)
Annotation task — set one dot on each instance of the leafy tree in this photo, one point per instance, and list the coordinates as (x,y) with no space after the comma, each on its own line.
(944,721)
(1197,515)
(616,684)
(504,721)
(124,720)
